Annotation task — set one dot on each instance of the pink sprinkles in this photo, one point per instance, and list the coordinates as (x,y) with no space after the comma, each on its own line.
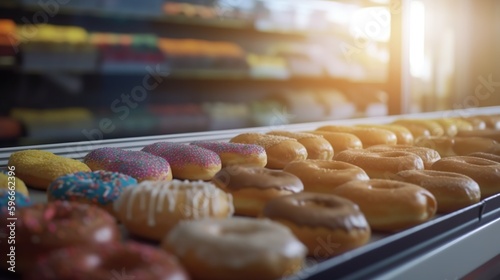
(227,147)
(138,164)
(181,154)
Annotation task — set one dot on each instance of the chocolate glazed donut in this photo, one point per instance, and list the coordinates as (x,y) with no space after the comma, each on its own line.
(252,187)
(321,218)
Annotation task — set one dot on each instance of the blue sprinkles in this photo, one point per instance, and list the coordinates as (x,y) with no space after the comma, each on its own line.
(98,187)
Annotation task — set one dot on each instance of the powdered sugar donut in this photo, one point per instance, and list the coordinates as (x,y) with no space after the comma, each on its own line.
(140,165)
(236,153)
(187,161)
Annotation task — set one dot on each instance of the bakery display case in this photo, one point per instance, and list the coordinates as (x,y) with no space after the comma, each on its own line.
(82,75)
(457,245)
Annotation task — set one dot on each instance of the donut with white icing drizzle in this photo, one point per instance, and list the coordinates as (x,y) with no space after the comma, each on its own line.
(150,209)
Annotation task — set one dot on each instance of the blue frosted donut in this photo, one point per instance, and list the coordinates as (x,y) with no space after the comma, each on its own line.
(100,187)
(20,200)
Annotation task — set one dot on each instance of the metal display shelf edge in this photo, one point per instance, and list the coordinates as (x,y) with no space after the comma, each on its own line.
(79,149)
(404,255)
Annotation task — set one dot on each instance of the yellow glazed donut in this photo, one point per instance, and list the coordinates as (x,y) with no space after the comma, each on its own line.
(280,150)
(252,187)
(417,130)
(491,121)
(449,126)
(152,208)
(459,146)
(390,205)
(321,176)
(340,141)
(369,136)
(403,134)
(477,123)
(16,183)
(235,248)
(381,165)
(39,168)
(317,147)
(428,156)
(485,172)
(316,218)
(452,191)
(433,127)
(462,124)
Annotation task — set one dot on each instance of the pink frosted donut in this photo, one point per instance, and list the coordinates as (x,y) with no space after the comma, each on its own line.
(140,165)
(236,153)
(187,161)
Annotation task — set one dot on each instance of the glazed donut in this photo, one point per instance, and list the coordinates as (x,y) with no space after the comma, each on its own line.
(403,134)
(452,191)
(485,133)
(140,165)
(417,130)
(100,188)
(39,168)
(152,208)
(477,123)
(321,217)
(459,146)
(280,150)
(253,187)
(187,161)
(369,136)
(381,165)
(463,124)
(485,172)
(434,128)
(12,183)
(128,260)
(235,248)
(495,158)
(42,228)
(390,205)
(449,126)
(428,156)
(321,176)
(491,121)
(10,200)
(340,141)
(236,153)
(317,147)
